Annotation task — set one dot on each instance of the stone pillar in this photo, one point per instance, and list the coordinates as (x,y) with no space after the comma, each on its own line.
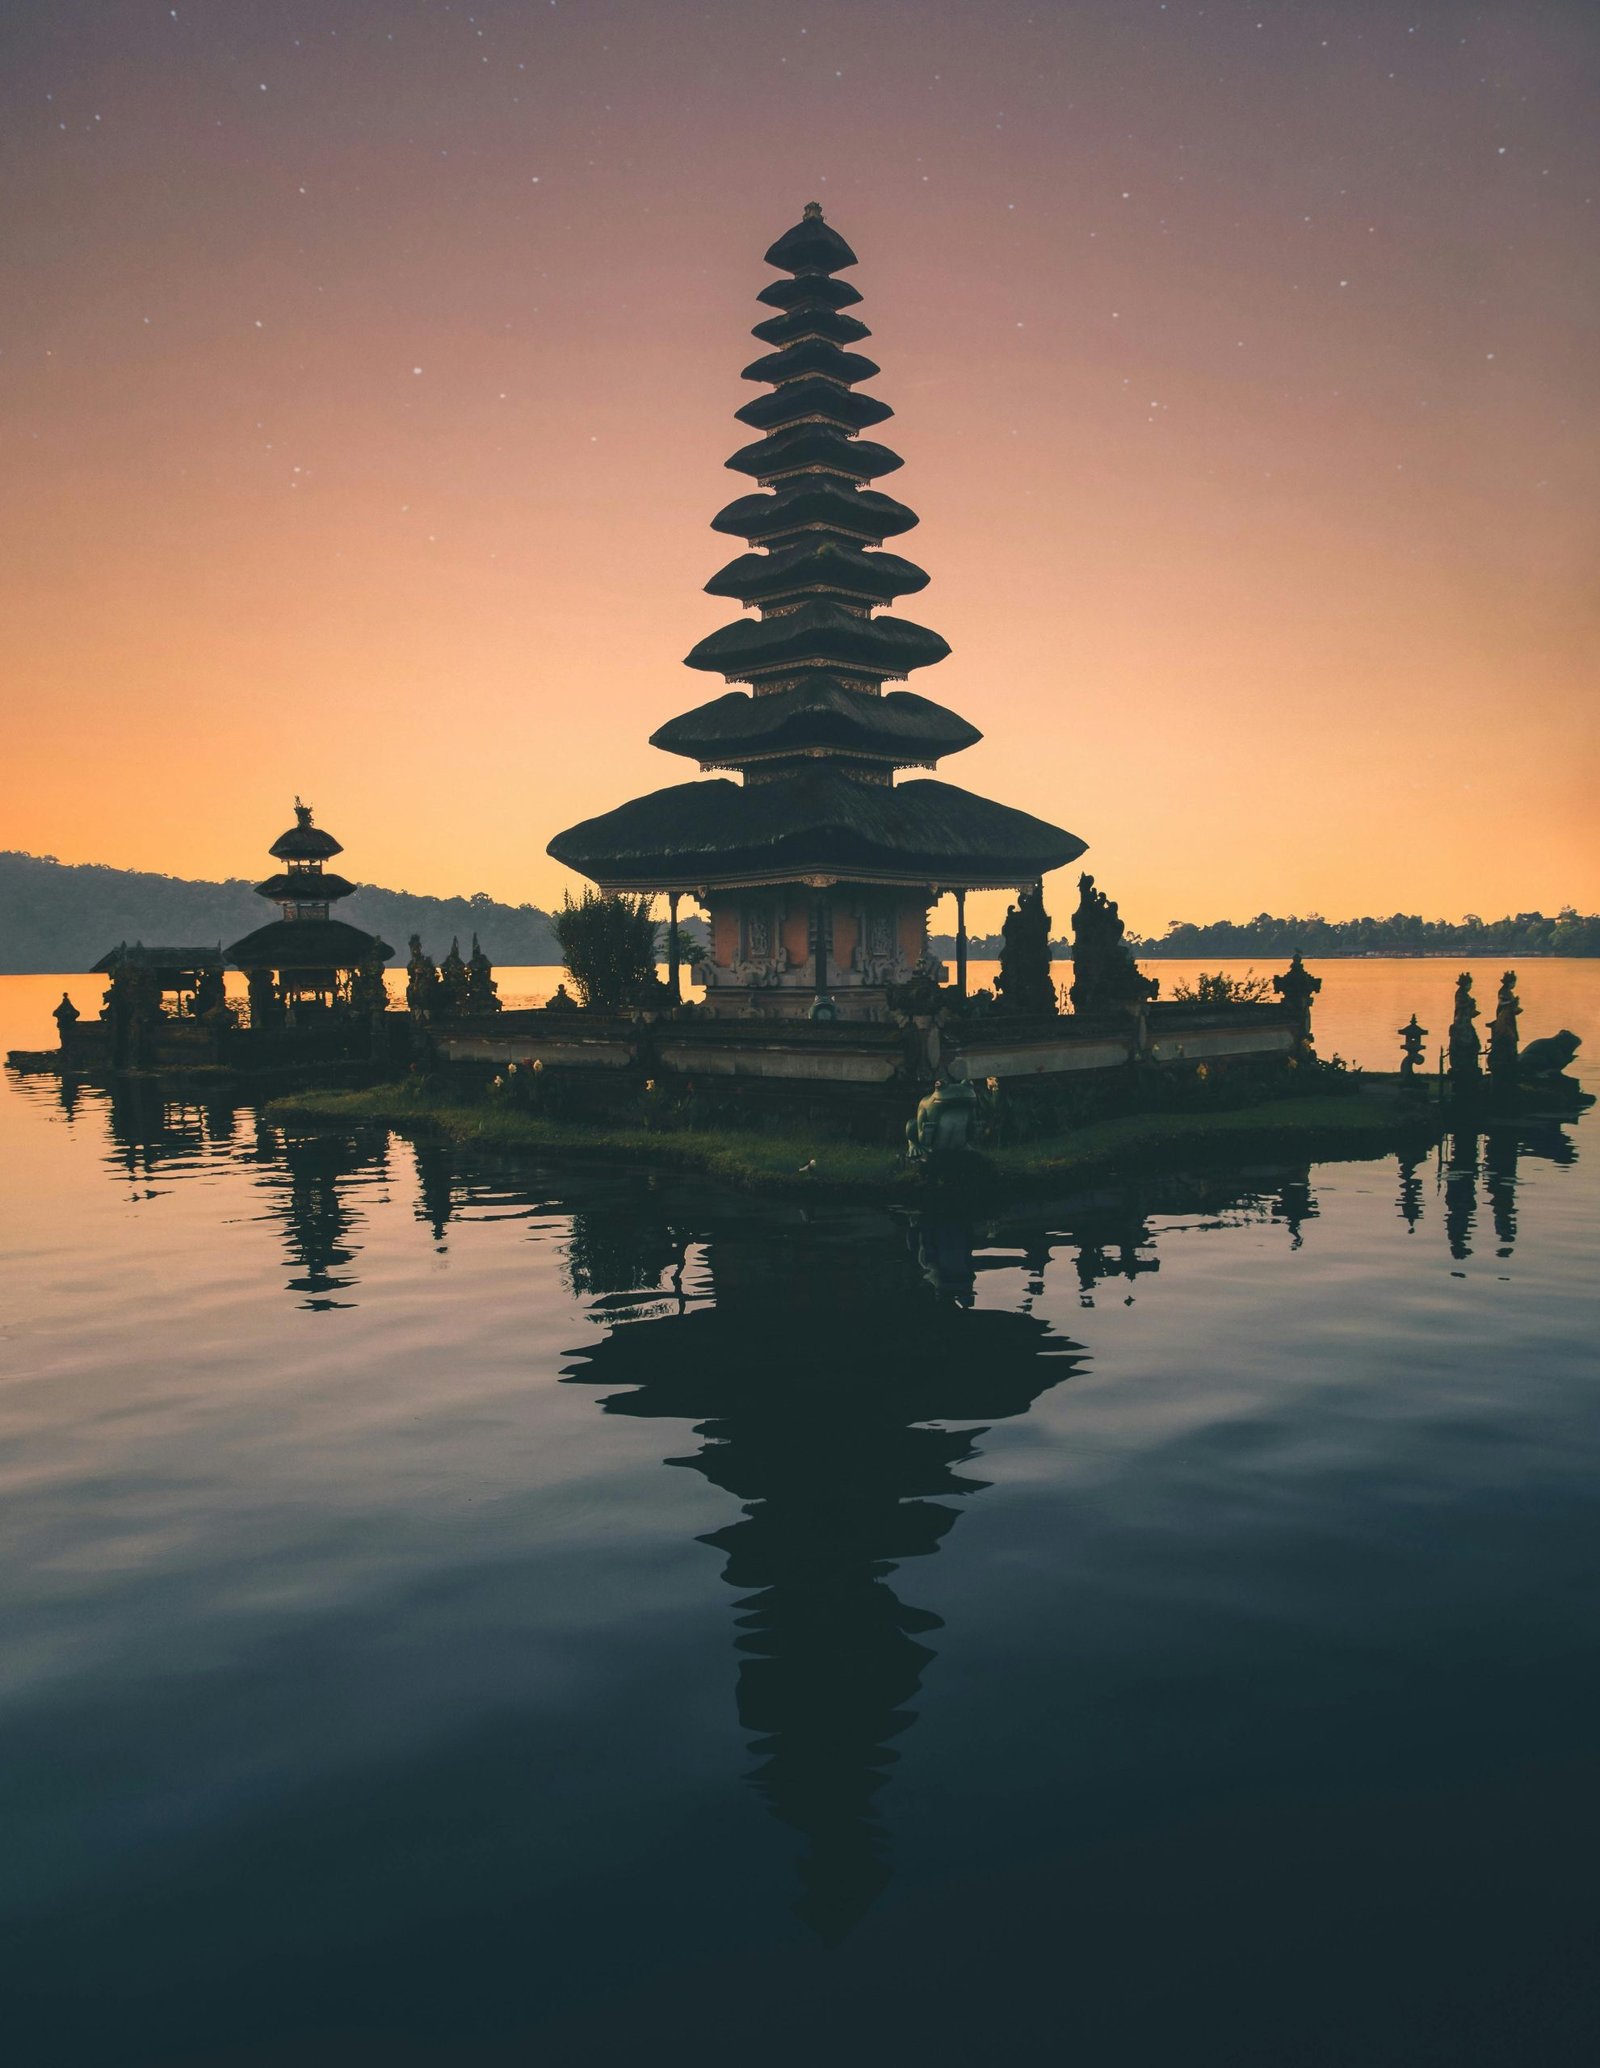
(961,944)
(672,947)
(819,922)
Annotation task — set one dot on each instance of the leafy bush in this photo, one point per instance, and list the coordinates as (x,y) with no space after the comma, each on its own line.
(608,942)
(1221,989)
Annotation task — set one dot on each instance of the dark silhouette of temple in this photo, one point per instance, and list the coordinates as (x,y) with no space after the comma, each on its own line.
(306,957)
(817,868)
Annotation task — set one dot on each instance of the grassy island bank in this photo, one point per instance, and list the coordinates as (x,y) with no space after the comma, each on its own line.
(1369,1120)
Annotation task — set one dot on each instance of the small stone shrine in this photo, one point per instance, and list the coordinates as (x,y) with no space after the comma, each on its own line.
(1297,987)
(1412,1035)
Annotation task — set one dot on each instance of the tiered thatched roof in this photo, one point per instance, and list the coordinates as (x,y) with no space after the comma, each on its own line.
(819,740)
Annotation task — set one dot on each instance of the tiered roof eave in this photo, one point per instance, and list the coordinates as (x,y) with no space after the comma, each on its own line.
(818,825)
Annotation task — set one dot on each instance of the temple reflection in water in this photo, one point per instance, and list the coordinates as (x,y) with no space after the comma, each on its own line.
(837,1397)
(838,1367)
(310,1180)
(840,1380)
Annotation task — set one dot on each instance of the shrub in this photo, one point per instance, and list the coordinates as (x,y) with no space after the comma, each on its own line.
(608,942)
(1221,989)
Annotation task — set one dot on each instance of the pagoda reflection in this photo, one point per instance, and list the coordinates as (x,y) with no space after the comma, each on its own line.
(310,1182)
(307,1179)
(838,1382)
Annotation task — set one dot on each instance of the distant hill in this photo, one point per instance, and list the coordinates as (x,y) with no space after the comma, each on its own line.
(64,916)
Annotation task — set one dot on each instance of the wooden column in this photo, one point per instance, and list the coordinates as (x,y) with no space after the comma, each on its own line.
(961,944)
(672,946)
(819,921)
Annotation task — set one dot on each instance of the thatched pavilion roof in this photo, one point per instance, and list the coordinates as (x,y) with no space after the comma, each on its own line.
(817,822)
(814,448)
(306,944)
(822,711)
(823,565)
(820,634)
(319,887)
(165,960)
(814,291)
(795,324)
(812,356)
(799,400)
(304,841)
(814,502)
(812,246)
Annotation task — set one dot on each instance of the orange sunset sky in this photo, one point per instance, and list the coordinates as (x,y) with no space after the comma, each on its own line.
(368,373)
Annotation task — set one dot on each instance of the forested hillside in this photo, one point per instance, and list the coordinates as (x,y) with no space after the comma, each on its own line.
(60,916)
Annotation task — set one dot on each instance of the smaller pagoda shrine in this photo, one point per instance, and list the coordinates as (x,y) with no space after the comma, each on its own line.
(305,958)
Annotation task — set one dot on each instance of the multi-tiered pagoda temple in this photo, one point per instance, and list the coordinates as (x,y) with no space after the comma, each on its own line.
(817,868)
(310,954)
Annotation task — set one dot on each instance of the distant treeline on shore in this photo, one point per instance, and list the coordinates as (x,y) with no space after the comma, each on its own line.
(1266,939)
(65,916)
(60,916)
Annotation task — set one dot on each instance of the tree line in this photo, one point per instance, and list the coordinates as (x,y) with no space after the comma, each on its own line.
(1567,932)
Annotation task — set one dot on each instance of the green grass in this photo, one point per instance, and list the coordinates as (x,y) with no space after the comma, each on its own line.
(1366,1123)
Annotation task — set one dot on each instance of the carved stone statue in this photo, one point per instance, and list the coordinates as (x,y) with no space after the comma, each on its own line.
(483,993)
(915,996)
(453,981)
(1503,1041)
(944,1121)
(368,993)
(759,976)
(209,993)
(422,982)
(1297,987)
(1465,1047)
(1548,1057)
(1024,982)
(1105,977)
(1412,1037)
(264,1000)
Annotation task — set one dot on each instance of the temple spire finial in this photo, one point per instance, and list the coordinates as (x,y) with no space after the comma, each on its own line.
(812,212)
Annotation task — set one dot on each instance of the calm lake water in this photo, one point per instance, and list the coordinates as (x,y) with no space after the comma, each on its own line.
(463,1610)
